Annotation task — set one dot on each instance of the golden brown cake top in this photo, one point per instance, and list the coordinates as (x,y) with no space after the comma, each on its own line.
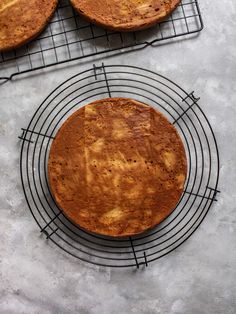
(23,20)
(117,167)
(125,15)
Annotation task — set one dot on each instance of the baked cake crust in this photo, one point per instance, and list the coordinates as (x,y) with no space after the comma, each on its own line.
(125,15)
(23,20)
(117,167)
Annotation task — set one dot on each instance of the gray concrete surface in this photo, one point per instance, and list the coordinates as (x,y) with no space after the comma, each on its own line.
(197,278)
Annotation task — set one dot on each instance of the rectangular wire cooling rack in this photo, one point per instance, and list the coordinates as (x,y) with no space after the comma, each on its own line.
(69,37)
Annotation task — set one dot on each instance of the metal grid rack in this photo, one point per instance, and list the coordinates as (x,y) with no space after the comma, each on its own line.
(180,107)
(69,37)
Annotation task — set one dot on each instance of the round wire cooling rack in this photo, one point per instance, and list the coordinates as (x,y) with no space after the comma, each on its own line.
(180,107)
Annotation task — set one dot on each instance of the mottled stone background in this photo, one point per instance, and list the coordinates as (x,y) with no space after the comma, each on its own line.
(197,278)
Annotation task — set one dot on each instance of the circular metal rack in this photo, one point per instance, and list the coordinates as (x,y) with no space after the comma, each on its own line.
(181,108)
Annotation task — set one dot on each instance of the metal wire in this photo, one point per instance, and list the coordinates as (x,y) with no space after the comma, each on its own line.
(69,37)
(180,107)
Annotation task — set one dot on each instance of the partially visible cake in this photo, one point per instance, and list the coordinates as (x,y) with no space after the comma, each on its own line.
(125,15)
(22,20)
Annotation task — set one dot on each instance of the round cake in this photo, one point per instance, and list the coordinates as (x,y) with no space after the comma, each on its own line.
(23,20)
(117,167)
(125,15)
